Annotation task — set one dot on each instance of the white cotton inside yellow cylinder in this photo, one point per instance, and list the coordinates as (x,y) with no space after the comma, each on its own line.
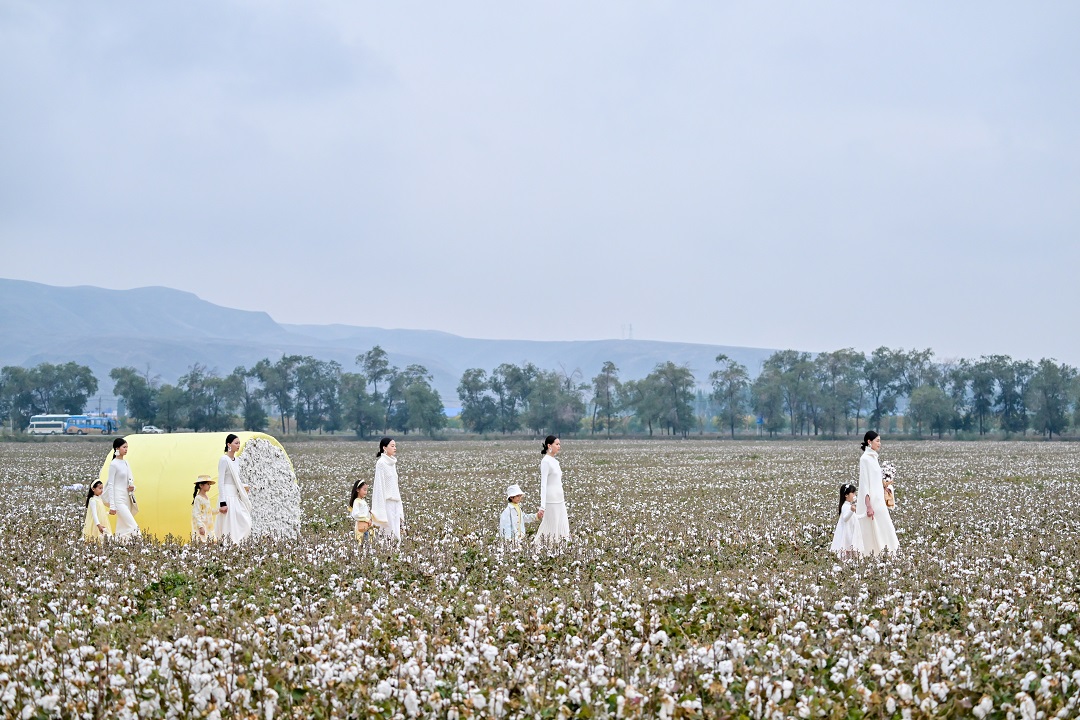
(165,468)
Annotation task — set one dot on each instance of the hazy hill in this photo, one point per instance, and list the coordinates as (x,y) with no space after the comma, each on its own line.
(168,330)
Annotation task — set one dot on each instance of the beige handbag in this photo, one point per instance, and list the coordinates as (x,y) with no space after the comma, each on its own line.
(134,505)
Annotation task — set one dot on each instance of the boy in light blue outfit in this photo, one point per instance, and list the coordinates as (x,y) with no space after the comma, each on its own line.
(512,522)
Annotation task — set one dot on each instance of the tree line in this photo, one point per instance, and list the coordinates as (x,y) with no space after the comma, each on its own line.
(831,394)
(296,392)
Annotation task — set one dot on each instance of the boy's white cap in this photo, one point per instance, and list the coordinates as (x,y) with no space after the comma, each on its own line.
(513,491)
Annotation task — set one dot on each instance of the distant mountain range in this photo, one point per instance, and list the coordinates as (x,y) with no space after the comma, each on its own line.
(169,330)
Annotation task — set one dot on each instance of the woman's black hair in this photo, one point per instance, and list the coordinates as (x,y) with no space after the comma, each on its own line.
(228,440)
(355,490)
(845,488)
(548,441)
(116,445)
(868,438)
(90,491)
(382,444)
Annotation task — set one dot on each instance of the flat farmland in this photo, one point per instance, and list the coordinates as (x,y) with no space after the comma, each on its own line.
(698,583)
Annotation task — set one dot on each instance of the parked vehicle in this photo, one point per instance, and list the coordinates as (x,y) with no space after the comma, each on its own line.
(151,430)
(47,425)
(86,424)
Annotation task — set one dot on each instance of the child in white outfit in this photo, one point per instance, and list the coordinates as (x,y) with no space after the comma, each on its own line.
(512,521)
(846,534)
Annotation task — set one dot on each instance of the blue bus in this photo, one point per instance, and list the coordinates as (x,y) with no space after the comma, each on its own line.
(85,424)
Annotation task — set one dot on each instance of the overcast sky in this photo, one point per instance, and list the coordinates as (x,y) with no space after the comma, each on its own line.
(808,175)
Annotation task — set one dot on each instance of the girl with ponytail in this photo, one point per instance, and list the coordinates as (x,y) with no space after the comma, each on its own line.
(844,537)
(95,522)
(202,515)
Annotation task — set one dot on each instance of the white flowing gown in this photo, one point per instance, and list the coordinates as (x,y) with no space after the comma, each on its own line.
(555,525)
(235,524)
(116,497)
(387,511)
(877,534)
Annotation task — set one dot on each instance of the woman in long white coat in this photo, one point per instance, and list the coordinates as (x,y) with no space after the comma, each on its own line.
(234,507)
(875,522)
(555,525)
(387,512)
(118,491)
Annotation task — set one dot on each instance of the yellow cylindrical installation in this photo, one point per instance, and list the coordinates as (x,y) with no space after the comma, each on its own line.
(165,468)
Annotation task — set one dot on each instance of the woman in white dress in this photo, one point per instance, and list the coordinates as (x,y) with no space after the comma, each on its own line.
(555,525)
(875,522)
(234,507)
(119,489)
(387,512)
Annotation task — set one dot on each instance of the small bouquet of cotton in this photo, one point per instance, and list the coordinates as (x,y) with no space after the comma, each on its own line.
(888,475)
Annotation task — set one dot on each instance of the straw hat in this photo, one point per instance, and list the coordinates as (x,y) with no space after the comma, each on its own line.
(205,479)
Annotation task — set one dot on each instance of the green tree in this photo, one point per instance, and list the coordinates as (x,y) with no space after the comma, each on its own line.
(317,386)
(16,398)
(1048,397)
(376,367)
(360,410)
(795,375)
(478,410)
(62,388)
(511,386)
(140,396)
(1012,379)
(767,399)
(171,406)
(641,397)
(837,382)
(425,407)
(673,387)
(208,399)
(931,406)
(606,389)
(731,391)
(982,384)
(279,385)
(882,377)
(249,393)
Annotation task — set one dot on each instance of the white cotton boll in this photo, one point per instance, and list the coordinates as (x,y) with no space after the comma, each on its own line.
(274,494)
(984,708)
(1027,707)
(383,691)
(659,638)
(905,692)
(412,703)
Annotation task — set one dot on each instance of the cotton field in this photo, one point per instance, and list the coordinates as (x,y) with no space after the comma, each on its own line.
(697,583)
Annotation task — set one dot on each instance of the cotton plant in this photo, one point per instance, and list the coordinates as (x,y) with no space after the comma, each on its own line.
(698,583)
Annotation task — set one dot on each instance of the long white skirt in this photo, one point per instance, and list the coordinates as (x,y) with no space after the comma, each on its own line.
(877,533)
(235,524)
(555,525)
(390,528)
(125,521)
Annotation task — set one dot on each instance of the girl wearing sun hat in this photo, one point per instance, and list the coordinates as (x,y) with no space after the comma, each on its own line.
(202,515)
